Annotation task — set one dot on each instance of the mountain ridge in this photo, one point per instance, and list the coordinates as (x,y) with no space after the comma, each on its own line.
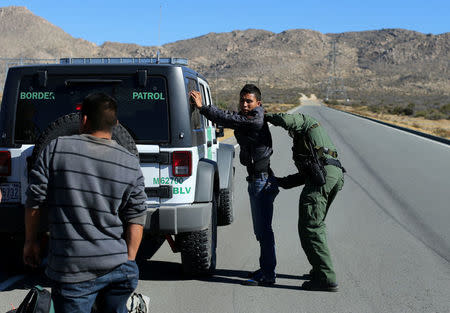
(387,65)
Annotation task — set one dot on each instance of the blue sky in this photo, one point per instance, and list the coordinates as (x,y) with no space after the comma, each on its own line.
(138,21)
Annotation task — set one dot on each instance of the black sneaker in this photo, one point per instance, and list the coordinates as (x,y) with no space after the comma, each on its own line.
(259,280)
(310,276)
(317,285)
(254,274)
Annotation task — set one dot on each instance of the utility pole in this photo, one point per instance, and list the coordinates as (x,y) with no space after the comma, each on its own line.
(335,84)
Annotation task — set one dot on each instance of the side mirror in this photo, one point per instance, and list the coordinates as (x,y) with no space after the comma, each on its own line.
(219,131)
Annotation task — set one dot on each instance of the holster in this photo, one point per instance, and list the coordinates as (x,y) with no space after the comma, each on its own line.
(315,171)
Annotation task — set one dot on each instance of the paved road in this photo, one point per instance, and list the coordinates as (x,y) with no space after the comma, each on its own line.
(388,234)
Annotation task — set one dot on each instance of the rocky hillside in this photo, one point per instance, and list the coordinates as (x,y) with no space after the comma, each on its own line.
(383,66)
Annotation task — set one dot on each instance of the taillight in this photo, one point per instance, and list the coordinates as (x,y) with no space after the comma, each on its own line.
(182,163)
(5,163)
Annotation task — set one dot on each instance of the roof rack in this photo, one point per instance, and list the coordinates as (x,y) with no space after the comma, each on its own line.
(175,61)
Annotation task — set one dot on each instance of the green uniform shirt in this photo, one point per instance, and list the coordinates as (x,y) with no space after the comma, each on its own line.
(300,125)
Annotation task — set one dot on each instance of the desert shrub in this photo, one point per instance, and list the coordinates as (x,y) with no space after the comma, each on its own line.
(394,110)
(441,132)
(446,110)
(292,100)
(375,109)
(222,104)
(331,102)
(402,110)
(434,114)
(409,109)
(421,113)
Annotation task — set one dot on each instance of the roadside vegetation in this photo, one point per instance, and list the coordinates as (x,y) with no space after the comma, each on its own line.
(433,119)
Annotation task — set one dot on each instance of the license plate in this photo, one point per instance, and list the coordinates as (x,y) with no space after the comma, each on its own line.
(10,192)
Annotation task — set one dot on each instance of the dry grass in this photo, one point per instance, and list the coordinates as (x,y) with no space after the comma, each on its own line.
(228,133)
(439,128)
(278,107)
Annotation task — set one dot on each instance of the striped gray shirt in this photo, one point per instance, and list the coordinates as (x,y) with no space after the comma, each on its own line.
(93,187)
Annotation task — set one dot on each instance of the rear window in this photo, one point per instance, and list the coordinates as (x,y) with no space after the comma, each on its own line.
(143,111)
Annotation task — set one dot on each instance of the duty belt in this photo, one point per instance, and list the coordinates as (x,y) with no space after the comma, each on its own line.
(258,175)
(322,150)
(334,162)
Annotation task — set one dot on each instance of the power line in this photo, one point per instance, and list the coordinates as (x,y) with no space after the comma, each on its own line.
(335,84)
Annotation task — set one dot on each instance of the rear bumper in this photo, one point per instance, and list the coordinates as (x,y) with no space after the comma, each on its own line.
(178,219)
(163,219)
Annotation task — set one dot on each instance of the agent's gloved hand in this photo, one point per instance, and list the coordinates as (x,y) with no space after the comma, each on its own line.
(290,181)
(282,182)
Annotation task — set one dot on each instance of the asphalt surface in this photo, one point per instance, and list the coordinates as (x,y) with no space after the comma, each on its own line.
(388,234)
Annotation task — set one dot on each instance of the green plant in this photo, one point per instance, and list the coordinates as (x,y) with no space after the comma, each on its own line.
(409,109)
(222,104)
(375,109)
(401,110)
(435,115)
(441,132)
(421,113)
(446,109)
(332,102)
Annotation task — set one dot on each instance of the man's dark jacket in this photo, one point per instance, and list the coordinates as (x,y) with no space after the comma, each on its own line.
(251,132)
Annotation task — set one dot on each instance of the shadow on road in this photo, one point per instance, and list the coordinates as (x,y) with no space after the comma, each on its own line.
(149,270)
(227,276)
(159,270)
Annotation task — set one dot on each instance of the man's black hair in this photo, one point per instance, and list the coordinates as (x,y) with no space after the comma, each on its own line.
(250,88)
(101,111)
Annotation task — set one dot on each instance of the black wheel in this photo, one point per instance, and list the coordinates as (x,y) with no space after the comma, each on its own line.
(225,211)
(198,249)
(69,125)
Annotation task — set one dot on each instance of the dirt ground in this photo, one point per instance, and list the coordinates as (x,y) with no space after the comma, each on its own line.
(439,128)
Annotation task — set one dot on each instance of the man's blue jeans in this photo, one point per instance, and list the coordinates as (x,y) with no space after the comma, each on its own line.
(262,191)
(114,289)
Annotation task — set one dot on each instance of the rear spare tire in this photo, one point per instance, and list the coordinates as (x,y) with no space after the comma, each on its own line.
(68,125)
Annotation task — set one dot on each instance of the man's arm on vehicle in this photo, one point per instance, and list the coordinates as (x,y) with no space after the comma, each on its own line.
(253,121)
(133,238)
(287,121)
(229,119)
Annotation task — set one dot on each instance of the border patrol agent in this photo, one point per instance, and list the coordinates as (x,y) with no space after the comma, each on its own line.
(316,197)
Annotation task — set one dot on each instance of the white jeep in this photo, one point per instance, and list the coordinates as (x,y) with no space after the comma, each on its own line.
(188,173)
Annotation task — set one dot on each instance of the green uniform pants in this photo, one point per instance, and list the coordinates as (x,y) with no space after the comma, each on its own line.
(313,208)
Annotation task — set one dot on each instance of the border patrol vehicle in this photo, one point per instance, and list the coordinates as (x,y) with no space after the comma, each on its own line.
(188,173)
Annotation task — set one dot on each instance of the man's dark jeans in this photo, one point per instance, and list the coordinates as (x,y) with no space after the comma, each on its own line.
(262,191)
(114,287)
